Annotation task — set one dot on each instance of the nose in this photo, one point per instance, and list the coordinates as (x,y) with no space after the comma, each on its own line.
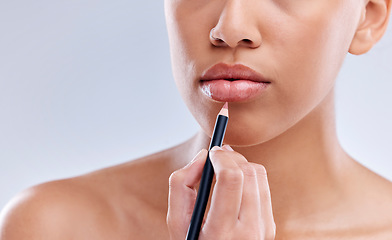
(237,26)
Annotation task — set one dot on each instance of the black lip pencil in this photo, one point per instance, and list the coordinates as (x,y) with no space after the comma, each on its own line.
(207,176)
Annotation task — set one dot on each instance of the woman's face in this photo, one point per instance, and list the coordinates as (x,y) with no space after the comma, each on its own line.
(297,46)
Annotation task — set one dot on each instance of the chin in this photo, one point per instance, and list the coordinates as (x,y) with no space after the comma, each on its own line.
(246,136)
(248,124)
(243,132)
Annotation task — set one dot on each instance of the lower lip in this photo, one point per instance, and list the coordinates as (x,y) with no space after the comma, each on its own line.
(232,91)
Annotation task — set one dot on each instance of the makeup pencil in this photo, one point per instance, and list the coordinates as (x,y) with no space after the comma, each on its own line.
(207,176)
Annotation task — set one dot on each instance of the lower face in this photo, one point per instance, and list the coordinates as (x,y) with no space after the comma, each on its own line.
(303,45)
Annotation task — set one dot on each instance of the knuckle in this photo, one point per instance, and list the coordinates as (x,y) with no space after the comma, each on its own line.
(260,169)
(231,175)
(248,170)
(175,177)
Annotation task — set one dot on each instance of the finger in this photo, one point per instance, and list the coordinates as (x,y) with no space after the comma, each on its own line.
(265,199)
(182,194)
(227,193)
(250,203)
(250,210)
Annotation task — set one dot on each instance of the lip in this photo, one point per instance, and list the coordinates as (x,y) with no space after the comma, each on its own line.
(232,83)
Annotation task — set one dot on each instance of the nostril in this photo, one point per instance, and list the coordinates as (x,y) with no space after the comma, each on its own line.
(247,41)
(232,39)
(218,40)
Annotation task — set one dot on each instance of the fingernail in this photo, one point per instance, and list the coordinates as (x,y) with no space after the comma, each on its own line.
(215,148)
(227,147)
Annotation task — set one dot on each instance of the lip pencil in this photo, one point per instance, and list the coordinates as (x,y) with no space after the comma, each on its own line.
(207,176)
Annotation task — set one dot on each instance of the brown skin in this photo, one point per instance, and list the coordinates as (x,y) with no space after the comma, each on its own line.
(317,190)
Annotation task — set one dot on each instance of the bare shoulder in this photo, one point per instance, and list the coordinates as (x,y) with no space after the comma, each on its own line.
(373,193)
(55,210)
(374,187)
(111,203)
(361,209)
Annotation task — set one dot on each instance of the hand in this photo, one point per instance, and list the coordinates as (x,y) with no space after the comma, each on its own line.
(240,204)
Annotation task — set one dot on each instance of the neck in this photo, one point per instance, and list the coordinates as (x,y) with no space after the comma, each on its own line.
(304,164)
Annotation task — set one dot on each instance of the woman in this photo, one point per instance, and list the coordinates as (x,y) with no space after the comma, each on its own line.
(275,62)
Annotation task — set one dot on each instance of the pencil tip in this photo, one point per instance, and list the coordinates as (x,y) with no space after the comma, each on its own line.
(225,110)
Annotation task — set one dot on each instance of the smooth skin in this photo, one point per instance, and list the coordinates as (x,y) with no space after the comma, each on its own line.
(285,175)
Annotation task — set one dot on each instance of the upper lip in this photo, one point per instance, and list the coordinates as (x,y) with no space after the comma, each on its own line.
(232,73)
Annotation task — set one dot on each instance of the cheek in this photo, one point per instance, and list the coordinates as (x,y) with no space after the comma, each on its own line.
(309,51)
(184,44)
(190,54)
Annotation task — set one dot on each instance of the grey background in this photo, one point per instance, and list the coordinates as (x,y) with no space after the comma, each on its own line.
(81,82)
